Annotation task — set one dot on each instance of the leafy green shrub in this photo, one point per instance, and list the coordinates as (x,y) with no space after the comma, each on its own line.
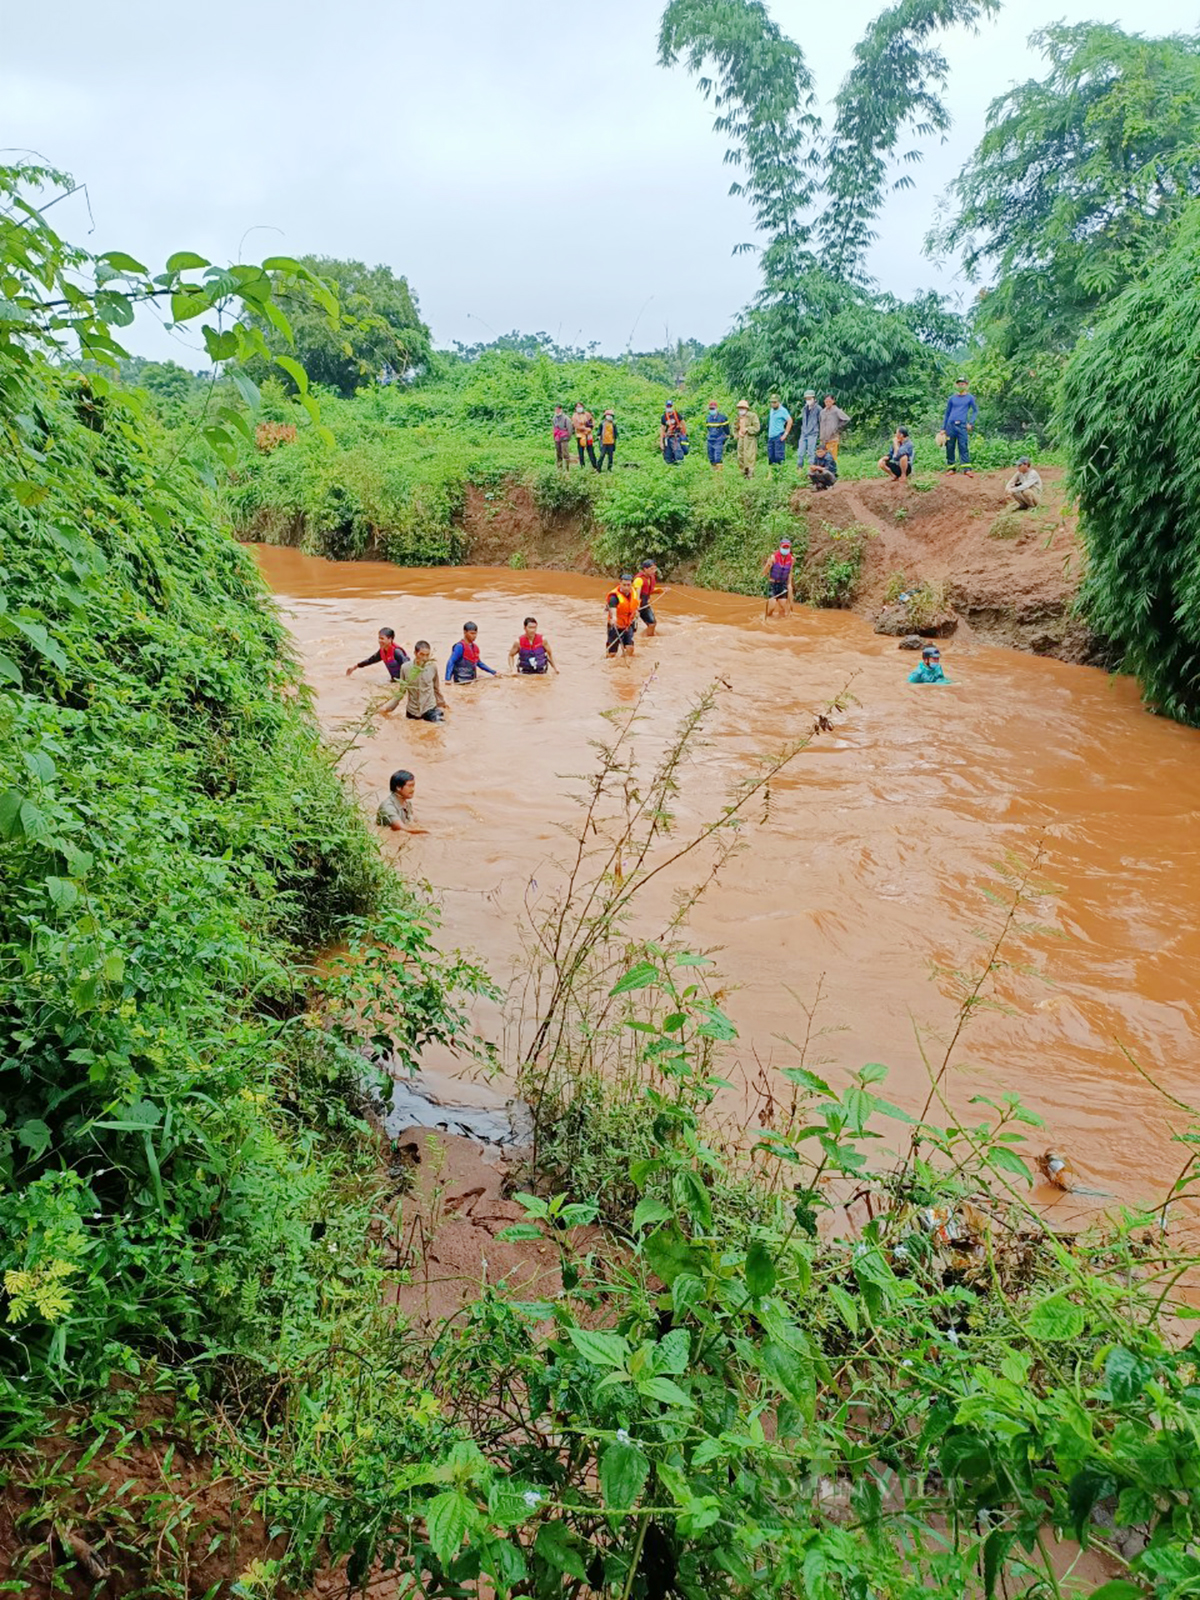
(563,494)
(644,513)
(173,840)
(1138,478)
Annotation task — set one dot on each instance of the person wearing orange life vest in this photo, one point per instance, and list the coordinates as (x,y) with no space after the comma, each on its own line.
(622,607)
(644,586)
(608,441)
(778,571)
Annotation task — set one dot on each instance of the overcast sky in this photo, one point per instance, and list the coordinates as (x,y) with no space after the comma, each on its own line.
(525,162)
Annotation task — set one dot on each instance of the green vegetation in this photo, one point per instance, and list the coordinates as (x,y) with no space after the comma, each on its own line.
(377,329)
(1139,485)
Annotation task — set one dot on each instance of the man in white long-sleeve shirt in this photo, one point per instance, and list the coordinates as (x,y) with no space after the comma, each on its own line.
(1025,486)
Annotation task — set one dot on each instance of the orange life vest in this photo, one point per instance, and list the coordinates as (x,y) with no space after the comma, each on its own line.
(626,606)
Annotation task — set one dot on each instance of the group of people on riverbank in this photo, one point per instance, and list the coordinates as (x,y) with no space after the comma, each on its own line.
(818,430)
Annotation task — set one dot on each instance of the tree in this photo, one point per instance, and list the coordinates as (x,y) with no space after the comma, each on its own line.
(1077,178)
(379,331)
(1130,398)
(815,318)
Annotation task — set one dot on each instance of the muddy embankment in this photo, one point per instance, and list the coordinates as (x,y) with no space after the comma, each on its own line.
(983,570)
(1008,577)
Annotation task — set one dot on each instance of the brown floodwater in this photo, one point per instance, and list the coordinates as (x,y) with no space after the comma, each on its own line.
(868,873)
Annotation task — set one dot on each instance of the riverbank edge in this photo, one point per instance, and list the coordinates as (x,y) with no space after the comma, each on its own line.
(987,572)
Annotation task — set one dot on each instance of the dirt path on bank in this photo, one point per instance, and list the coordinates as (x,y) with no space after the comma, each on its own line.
(1010,577)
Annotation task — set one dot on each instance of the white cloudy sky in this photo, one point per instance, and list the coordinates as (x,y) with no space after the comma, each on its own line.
(525,162)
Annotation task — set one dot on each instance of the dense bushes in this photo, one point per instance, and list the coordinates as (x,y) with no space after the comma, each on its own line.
(172,838)
(1130,399)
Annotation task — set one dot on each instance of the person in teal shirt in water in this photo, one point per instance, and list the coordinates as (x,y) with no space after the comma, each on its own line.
(930,670)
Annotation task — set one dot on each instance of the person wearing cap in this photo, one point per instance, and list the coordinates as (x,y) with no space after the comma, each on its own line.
(644,586)
(747,431)
(562,439)
(930,670)
(824,470)
(778,570)
(465,663)
(1025,486)
(962,413)
(622,607)
(779,425)
(672,435)
(717,424)
(584,425)
(608,441)
(810,429)
(829,429)
(899,459)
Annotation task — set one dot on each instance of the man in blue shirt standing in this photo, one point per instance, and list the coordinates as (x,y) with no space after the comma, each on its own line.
(962,413)
(717,424)
(779,425)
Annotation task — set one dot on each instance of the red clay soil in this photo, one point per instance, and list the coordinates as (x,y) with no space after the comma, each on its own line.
(147,1514)
(503,526)
(75,1529)
(1011,576)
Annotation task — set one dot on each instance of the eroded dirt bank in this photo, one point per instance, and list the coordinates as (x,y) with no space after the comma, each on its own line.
(1009,577)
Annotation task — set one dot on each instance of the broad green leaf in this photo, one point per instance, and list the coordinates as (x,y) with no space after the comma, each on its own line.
(639,977)
(760,1270)
(62,892)
(623,1471)
(667,1391)
(1008,1160)
(247,389)
(692,1197)
(1118,1589)
(220,346)
(185,261)
(672,1351)
(649,1211)
(11,801)
(10,672)
(120,262)
(668,1254)
(873,1072)
(1056,1320)
(294,371)
(35,1136)
(1125,1375)
(283,264)
(556,1545)
(188,303)
(448,1517)
(601,1349)
(26,492)
(520,1231)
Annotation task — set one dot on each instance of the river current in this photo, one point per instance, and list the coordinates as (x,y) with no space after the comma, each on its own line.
(867,874)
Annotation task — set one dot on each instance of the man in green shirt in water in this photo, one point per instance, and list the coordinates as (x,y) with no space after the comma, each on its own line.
(930,670)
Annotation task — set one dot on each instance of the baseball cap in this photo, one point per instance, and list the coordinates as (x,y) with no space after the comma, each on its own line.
(810,394)
(743,405)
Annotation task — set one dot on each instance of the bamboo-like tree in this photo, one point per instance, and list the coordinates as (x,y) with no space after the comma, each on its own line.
(1130,398)
(814,198)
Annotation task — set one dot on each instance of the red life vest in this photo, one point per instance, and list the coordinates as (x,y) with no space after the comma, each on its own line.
(531,652)
(781,567)
(470,651)
(646,584)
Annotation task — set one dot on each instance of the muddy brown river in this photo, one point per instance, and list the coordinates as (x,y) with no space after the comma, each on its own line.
(867,875)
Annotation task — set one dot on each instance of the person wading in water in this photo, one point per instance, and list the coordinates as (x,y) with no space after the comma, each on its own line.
(531,654)
(778,570)
(622,609)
